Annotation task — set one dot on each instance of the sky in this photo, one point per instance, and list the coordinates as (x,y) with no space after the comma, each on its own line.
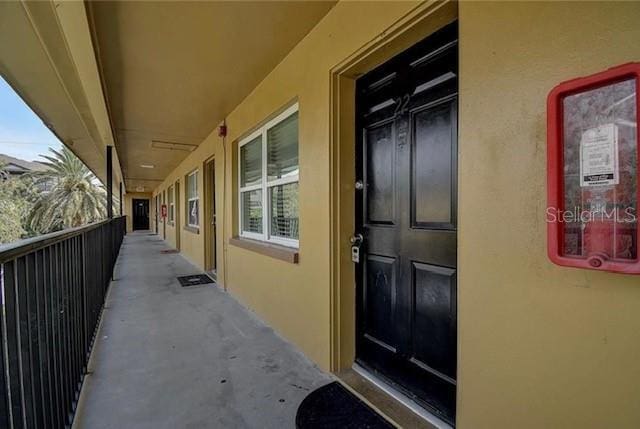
(22,133)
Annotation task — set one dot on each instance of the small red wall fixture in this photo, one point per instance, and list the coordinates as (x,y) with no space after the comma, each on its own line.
(592,171)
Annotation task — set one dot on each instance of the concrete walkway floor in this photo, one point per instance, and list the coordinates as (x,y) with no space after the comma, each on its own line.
(173,357)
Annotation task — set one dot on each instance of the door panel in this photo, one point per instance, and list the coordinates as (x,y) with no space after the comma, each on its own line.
(433,155)
(406,315)
(380,300)
(434,311)
(380,156)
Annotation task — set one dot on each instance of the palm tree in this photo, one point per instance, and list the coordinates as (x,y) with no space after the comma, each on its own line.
(74,198)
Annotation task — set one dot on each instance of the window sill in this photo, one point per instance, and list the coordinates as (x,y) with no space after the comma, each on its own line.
(192,229)
(272,250)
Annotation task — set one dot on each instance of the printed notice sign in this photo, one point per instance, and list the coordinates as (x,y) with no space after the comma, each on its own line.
(599,156)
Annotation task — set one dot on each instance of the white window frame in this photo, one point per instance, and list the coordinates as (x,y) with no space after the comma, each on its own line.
(197,197)
(264,185)
(172,206)
(164,202)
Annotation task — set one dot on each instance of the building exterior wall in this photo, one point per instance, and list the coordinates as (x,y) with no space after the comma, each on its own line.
(152,213)
(293,298)
(191,240)
(539,345)
(171,228)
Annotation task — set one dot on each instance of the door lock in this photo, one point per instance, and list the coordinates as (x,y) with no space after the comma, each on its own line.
(359,185)
(356,241)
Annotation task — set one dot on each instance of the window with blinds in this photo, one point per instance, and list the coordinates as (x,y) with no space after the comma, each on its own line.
(164,203)
(171,204)
(192,199)
(268,177)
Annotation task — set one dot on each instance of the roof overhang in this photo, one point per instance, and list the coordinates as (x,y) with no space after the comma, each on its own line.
(173,70)
(152,79)
(47,56)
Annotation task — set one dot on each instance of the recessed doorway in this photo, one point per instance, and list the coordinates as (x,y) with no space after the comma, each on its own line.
(210,216)
(177,212)
(406,220)
(140,214)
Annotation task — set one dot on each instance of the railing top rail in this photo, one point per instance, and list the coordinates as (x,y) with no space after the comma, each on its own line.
(22,247)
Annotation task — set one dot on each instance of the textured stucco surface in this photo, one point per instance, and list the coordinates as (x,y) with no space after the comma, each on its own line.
(293,298)
(540,346)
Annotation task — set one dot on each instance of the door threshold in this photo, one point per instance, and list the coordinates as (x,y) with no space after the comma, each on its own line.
(406,401)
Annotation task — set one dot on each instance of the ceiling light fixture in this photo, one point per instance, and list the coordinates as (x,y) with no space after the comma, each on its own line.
(160,144)
(147,166)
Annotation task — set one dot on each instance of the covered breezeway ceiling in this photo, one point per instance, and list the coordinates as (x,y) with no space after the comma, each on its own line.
(47,57)
(173,70)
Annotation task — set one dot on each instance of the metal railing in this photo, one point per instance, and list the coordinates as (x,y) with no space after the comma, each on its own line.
(53,292)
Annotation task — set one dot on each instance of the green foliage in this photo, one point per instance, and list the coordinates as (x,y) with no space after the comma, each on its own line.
(16,196)
(67,195)
(10,219)
(74,197)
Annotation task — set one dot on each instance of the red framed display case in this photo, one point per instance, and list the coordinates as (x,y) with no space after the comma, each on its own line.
(592,171)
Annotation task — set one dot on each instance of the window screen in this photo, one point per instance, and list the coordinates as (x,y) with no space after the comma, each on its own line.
(192,199)
(251,163)
(268,178)
(171,205)
(284,210)
(282,149)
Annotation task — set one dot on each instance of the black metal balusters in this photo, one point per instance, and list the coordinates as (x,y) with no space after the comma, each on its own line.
(52,291)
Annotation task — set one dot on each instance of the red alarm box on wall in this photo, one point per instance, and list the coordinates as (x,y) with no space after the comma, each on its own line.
(592,171)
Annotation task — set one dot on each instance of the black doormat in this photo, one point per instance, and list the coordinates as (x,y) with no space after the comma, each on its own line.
(195,279)
(333,406)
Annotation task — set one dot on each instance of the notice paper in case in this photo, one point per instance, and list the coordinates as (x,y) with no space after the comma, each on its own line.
(599,156)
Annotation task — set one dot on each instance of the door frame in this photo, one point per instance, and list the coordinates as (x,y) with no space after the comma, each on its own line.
(164,218)
(210,232)
(425,19)
(133,211)
(176,212)
(155,213)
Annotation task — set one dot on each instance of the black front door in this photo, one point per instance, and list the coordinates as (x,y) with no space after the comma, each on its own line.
(157,213)
(140,214)
(406,212)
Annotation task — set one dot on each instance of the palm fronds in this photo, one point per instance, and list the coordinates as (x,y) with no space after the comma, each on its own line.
(75,197)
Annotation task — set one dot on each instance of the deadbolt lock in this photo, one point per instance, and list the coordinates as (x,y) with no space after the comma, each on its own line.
(356,242)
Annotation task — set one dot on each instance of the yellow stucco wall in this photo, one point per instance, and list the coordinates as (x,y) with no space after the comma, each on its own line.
(294,299)
(539,345)
(191,242)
